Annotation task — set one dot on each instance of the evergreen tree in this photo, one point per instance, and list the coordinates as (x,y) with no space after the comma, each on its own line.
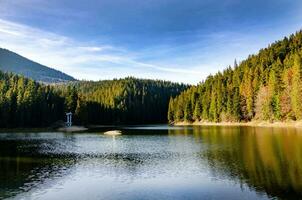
(236,105)
(188,114)
(296,91)
(25,103)
(266,86)
(213,108)
(171,111)
(197,111)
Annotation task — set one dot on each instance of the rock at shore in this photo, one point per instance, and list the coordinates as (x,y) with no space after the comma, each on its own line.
(114,132)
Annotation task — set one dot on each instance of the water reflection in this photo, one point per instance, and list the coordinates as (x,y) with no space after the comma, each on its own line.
(159,163)
(24,166)
(266,159)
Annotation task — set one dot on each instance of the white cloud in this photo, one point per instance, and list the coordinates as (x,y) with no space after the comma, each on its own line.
(80,59)
(189,63)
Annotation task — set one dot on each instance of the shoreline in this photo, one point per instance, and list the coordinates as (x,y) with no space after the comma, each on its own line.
(73,129)
(45,129)
(287,124)
(26,129)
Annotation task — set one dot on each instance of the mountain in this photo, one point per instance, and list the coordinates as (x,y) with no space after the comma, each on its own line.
(14,63)
(265,86)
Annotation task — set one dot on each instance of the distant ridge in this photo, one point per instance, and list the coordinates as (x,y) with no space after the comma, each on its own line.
(15,63)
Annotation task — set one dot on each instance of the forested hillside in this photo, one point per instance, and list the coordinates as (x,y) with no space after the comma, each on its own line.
(26,103)
(266,86)
(126,101)
(12,62)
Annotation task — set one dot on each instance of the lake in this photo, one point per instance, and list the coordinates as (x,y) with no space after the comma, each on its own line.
(153,162)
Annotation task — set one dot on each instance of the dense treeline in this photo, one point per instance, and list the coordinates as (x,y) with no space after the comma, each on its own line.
(26,103)
(266,86)
(126,101)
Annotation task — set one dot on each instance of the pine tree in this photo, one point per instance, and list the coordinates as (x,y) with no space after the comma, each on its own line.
(71,99)
(229,105)
(265,86)
(171,111)
(197,111)
(296,91)
(236,111)
(213,108)
(188,112)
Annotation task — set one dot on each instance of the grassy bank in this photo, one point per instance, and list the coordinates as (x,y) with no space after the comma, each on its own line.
(294,124)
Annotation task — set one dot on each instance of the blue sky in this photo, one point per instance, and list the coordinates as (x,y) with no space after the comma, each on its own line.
(177,40)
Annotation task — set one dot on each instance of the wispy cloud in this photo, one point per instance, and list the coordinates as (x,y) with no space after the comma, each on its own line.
(172,39)
(76,58)
(188,62)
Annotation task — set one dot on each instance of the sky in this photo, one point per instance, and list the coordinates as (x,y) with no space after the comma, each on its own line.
(176,40)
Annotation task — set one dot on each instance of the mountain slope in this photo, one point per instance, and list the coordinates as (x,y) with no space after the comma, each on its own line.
(12,62)
(266,86)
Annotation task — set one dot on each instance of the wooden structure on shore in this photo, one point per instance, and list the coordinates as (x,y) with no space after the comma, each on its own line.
(69,119)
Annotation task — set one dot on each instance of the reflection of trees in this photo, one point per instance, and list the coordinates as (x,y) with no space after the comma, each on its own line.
(21,174)
(31,163)
(22,169)
(266,159)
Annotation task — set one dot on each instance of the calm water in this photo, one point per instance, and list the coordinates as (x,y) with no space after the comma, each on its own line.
(153,162)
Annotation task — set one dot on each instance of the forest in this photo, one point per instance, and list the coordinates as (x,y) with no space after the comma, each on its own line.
(123,101)
(266,86)
(26,103)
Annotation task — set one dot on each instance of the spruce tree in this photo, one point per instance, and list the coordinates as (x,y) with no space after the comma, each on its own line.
(197,111)
(171,111)
(188,114)
(296,92)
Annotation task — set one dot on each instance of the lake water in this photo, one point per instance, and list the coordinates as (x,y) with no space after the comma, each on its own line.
(153,162)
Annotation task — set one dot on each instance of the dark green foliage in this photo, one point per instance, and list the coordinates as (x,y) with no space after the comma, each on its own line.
(126,101)
(12,62)
(188,113)
(171,110)
(26,103)
(71,99)
(266,86)
(197,111)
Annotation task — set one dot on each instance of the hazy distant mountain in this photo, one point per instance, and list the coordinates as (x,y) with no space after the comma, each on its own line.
(12,62)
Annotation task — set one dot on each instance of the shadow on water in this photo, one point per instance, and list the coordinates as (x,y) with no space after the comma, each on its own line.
(24,166)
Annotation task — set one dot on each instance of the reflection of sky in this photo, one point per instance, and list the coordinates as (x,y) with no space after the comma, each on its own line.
(128,167)
(201,161)
(173,39)
(95,183)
